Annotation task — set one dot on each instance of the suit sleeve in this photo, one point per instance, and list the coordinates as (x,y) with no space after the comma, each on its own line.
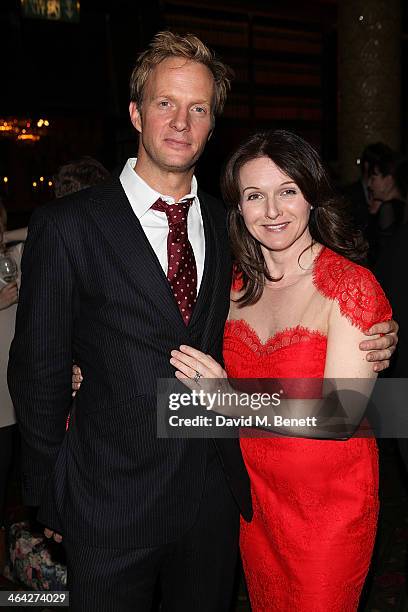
(39,372)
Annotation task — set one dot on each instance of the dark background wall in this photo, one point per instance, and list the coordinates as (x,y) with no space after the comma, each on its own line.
(75,75)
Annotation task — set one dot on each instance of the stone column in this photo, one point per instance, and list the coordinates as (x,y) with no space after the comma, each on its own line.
(369,38)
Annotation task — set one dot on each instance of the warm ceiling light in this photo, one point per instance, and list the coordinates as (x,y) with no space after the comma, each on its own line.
(32,137)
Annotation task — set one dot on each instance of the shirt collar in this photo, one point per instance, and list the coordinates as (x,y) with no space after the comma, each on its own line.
(141,196)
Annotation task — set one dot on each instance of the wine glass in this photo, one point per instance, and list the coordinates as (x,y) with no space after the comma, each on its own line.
(8,268)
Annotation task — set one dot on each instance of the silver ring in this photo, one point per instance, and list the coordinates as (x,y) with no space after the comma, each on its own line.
(197,376)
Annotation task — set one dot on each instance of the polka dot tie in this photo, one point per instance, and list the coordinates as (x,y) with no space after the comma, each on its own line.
(182,270)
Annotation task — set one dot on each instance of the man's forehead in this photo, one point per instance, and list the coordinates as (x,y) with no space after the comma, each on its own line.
(169,75)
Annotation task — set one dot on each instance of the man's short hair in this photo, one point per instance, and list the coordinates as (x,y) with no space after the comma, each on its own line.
(167,44)
(79,174)
(373,154)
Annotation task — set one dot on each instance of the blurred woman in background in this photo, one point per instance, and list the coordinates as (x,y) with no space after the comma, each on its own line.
(8,307)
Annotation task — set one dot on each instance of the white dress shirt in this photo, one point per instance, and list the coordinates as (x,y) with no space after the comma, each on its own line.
(154,223)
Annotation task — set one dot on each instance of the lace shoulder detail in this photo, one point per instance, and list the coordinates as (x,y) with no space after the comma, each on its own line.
(355,288)
(237,282)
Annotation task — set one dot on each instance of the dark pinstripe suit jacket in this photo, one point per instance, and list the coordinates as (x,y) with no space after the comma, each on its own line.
(94,291)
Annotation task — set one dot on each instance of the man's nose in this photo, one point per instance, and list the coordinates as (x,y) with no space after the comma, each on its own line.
(180,120)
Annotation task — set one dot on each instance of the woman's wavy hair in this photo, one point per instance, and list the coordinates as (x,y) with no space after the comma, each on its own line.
(330,221)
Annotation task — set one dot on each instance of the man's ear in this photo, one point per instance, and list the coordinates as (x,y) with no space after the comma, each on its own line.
(135,116)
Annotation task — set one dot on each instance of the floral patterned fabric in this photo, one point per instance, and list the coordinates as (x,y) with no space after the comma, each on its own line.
(32,562)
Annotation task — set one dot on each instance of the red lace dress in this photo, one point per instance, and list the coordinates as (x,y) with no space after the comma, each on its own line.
(309,545)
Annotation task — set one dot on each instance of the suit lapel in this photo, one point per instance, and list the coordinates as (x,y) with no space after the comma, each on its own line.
(204,294)
(118,223)
(209,295)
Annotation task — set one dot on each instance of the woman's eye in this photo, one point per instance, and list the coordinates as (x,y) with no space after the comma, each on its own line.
(254,196)
(289,192)
(163,103)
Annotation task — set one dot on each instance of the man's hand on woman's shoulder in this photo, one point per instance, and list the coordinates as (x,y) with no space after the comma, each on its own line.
(381,348)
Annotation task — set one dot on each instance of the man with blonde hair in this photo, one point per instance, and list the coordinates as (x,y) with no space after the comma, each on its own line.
(103,284)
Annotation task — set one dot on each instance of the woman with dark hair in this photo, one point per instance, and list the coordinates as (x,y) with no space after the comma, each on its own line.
(300,306)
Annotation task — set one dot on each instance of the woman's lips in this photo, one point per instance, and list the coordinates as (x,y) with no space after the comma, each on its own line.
(276,227)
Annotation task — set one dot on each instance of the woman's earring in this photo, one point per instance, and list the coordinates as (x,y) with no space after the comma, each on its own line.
(311,207)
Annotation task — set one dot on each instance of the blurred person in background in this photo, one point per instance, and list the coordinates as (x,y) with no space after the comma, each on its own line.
(388,184)
(71,177)
(8,307)
(79,174)
(16,235)
(358,193)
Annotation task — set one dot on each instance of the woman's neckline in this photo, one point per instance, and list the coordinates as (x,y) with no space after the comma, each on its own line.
(310,271)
